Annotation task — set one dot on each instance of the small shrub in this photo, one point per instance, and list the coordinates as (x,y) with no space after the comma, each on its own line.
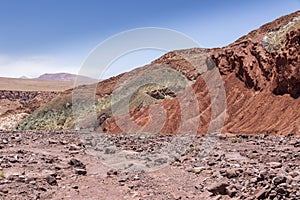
(235,140)
(2,174)
(193,149)
(198,170)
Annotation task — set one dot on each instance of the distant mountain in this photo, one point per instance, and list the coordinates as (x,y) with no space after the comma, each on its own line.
(64,77)
(24,77)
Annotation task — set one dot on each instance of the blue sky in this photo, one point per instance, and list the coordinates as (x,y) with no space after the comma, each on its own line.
(57,35)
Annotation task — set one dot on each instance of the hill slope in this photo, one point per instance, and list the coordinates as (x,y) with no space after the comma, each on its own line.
(261,76)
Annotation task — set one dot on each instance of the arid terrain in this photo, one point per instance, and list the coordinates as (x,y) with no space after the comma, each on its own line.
(16,84)
(17,105)
(65,165)
(258,76)
(247,149)
(20,97)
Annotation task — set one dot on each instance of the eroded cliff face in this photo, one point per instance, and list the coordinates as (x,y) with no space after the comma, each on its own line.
(287,64)
(266,96)
(268,100)
(277,71)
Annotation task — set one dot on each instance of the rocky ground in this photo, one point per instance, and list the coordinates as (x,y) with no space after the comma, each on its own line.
(65,165)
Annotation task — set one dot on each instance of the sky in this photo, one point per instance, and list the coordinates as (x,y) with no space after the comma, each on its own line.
(53,36)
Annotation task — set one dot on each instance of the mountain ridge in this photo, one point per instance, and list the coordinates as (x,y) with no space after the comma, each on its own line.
(64,77)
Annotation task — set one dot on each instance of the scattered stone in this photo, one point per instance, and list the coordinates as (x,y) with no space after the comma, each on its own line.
(123,179)
(76,163)
(232,192)
(51,141)
(4,190)
(51,180)
(279,179)
(63,142)
(272,194)
(80,171)
(274,165)
(74,147)
(261,194)
(32,182)
(75,187)
(112,172)
(211,163)
(218,188)
(231,173)
(136,177)
(110,150)
(254,180)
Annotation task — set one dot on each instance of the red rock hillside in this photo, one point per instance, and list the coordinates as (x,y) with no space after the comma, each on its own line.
(261,75)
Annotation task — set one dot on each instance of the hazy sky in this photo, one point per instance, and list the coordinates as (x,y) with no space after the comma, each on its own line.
(57,35)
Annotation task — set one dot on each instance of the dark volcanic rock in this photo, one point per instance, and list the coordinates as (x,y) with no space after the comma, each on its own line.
(51,180)
(76,163)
